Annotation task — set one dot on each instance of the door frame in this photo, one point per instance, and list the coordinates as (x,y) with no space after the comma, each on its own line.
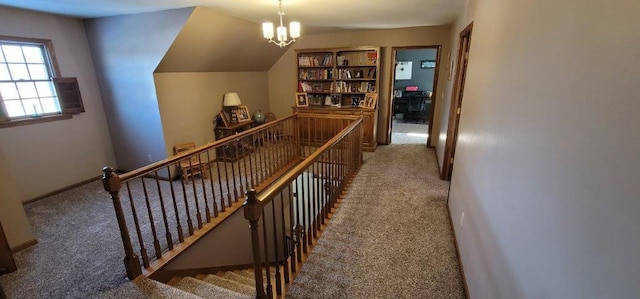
(456,102)
(394,51)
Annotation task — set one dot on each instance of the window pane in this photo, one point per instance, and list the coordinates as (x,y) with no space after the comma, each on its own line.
(38,72)
(4,72)
(9,91)
(50,105)
(33,54)
(45,89)
(27,90)
(19,71)
(32,107)
(13,53)
(14,108)
(1,55)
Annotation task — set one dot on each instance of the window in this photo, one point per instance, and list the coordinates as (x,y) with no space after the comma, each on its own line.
(28,77)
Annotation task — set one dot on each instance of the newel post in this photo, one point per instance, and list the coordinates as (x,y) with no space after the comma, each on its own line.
(253,212)
(112,184)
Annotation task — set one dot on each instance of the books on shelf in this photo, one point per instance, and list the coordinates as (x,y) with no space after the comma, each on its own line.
(316,74)
(315,60)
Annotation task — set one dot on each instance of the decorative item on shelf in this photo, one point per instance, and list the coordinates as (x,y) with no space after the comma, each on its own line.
(294,27)
(301,99)
(242,113)
(355,101)
(258,117)
(336,100)
(370,100)
(225,118)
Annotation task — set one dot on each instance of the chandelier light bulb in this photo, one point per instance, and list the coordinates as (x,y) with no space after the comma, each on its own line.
(281,31)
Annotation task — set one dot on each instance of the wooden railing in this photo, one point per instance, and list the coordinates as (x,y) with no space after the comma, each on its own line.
(294,207)
(158,216)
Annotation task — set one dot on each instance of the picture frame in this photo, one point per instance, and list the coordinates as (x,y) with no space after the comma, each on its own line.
(302,100)
(226,120)
(242,112)
(370,100)
(427,64)
(336,100)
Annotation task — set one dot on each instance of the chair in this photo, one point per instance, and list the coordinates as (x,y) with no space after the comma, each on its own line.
(416,108)
(190,166)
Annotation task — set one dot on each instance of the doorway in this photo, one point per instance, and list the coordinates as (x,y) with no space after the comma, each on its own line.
(413,90)
(456,102)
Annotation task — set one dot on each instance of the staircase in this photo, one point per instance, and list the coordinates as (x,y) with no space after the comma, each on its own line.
(238,284)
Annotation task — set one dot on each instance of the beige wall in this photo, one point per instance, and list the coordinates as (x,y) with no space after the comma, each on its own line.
(282,76)
(188,102)
(126,51)
(547,165)
(14,221)
(49,156)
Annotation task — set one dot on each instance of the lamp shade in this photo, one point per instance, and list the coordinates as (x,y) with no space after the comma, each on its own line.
(231,99)
(294,28)
(267,30)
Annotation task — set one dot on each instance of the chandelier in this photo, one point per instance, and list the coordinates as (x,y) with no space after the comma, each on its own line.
(294,30)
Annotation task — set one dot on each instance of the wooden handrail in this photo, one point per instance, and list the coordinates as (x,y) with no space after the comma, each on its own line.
(269,192)
(333,163)
(201,149)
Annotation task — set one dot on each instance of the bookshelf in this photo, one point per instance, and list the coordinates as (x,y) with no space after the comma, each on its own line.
(336,81)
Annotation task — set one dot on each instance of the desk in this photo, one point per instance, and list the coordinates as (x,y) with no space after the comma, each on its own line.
(234,151)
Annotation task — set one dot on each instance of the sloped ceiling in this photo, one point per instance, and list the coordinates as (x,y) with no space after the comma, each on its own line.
(214,42)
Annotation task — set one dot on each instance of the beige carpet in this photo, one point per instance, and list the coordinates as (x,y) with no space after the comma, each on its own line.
(391,236)
(393,229)
(409,133)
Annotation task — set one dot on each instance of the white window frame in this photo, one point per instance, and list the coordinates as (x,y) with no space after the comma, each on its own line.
(54,72)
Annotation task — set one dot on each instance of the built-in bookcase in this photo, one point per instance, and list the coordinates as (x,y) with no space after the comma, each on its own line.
(341,82)
(338,77)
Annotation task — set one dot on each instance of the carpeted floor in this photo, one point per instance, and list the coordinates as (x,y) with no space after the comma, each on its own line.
(391,236)
(392,229)
(409,133)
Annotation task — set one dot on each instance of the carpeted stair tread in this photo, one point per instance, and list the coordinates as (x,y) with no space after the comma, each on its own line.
(207,290)
(240,278)
(147,288)
(231,285)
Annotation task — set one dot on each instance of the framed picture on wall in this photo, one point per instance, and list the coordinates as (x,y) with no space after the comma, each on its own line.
(428,64)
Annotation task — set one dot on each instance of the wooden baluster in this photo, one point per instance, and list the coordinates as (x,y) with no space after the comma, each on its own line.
(175,207)
(195,196)
(275,246)
(266,256)
(244,163)
(143,250)
(156,242)
(111,183)
(186,207)
(164,213)
(222,205)
(246,179)
(207,211)
(252,157)
(263,156)
(292,232)
(314,198)
(226,174)
(285,251)
(303,205)
(309,201)
(252,213)
(233,172)
(213,192)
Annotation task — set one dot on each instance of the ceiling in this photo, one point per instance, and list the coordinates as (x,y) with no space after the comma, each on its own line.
(315,15)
